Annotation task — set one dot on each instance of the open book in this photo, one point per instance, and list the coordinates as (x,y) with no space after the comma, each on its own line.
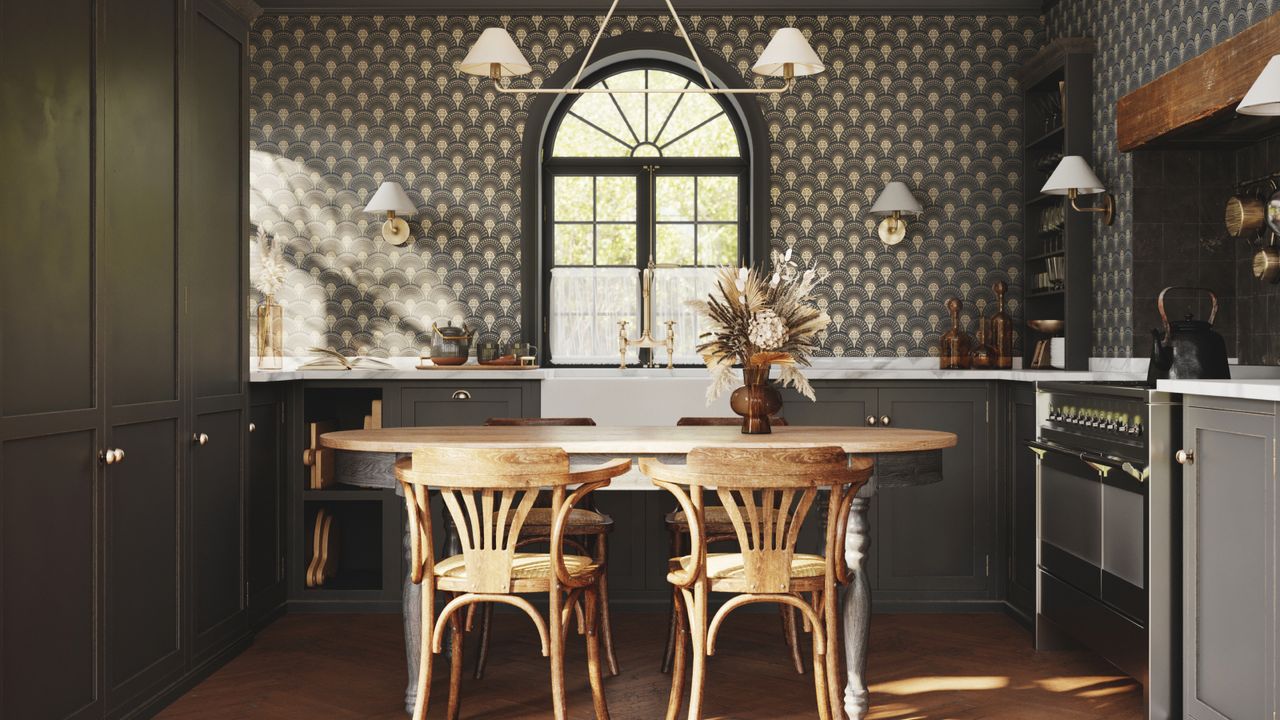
(327,359)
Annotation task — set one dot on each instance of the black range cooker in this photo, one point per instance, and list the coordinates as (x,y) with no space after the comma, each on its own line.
(1108,529)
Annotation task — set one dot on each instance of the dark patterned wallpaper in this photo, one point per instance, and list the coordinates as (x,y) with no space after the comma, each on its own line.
(340,103)
(1138,41)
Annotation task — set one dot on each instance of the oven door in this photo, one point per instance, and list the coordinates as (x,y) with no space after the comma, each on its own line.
(1093,525)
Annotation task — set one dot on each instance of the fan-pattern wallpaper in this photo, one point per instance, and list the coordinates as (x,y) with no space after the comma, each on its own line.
(339,103)
(1138,41)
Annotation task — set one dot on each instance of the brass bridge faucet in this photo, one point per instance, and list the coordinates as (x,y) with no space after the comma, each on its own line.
(646,339)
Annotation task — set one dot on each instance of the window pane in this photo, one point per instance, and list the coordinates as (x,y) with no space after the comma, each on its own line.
(692,110)
(632,104)
(616,244)
(672,288)
(674,197)
(661,105)
(573,198)
(573,244)
(675,244)
(586,305)
(578,139)
(718,198)
(718,244)
(616,198)
(599,110)
(715,139)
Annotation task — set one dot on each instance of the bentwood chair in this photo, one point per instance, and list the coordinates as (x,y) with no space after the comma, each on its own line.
(767,493)
(582,523)
(718,528)
(488,493)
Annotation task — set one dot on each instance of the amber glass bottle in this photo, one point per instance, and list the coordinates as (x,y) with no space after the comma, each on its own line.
(1000,335)
(953,349)
(983,356)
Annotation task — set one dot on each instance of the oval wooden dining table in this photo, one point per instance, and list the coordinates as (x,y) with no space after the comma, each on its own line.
(905,457)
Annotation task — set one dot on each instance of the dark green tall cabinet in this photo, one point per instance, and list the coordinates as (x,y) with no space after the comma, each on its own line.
(122,343)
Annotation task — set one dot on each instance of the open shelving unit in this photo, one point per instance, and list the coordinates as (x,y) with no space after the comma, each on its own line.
(1057,87)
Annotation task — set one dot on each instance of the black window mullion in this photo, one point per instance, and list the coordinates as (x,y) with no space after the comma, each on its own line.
(595,224)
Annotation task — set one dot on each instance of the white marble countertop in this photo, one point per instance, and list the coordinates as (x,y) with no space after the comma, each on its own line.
(1243,388)
(920,368)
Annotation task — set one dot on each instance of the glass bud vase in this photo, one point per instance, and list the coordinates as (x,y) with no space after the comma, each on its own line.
(270,334)
(756,400)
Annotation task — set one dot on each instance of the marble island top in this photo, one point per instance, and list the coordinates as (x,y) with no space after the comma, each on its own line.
(922,368)
(1265,389)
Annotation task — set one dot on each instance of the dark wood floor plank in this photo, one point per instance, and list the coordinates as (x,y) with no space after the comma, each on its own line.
(929,667)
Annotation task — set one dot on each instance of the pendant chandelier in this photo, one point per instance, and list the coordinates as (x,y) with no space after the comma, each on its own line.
(788,56)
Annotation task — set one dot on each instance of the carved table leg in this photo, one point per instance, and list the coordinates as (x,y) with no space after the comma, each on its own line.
(856,604)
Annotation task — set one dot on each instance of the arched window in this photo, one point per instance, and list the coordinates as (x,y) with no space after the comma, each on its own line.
(634,181)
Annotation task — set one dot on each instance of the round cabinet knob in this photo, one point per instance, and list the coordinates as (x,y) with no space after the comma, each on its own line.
(252,427)
(1185,457)
(200,439)
(871,420)
(884,420)
(119,455)
(461,395)
(108,457)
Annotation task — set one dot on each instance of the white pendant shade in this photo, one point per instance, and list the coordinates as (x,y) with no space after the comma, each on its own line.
(391,198)
(788,46)
(1263,97)
(896,197)
(1073,173)
(495,47)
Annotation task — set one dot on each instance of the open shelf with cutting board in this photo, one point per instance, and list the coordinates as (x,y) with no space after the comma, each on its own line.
(1058,250)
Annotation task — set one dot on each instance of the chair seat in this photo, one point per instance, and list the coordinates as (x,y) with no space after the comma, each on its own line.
(727,571)
(581,522)
(715,520)
(530,572)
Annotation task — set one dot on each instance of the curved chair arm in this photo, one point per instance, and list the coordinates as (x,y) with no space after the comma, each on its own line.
(836,557)
(697,546)
(591,479)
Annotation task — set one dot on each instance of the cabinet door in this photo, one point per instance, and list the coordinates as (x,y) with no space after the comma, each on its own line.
(1022,500)
(459,404)
(836,405)
(217,528)
(935,540)
(266,506)
(1229,511)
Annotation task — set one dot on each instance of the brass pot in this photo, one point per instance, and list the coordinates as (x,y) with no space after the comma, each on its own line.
(1266,264)
(1245,215)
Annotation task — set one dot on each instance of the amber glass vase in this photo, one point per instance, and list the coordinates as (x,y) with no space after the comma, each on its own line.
(756,400)
(982,356)
(270,334)
(1000,334)
(954,347)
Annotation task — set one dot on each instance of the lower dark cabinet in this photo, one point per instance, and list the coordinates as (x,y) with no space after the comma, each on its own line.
(449,404)
(218,590)
(1021,582)
(266,496)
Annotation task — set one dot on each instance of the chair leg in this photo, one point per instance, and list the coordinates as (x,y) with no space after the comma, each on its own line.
(555,616)
(482,652)
(455,665)
(672,620)
(792,636)
(425,656)
(593,654)
(697,602)
(606,621)
(680,645)
(835,652)
(820,691)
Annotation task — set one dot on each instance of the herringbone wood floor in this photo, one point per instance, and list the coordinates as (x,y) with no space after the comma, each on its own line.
(926,667)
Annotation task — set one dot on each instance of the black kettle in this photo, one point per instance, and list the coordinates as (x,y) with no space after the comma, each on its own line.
(1188,349)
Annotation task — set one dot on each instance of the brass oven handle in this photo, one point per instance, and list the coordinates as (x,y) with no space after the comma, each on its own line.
(461,395)
(1185,457)
(871,420)
(884,420)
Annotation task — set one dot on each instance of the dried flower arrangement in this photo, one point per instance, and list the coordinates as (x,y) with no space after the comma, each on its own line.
(758,319)
(271,269)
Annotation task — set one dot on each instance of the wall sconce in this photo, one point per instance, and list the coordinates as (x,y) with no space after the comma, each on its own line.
(895,199)
(1073,177)
(1263,97)
(392,200)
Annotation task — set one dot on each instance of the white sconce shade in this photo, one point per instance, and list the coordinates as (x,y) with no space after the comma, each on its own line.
(1073,177)
(1073,174)
(896,197)
(1263,97)
(392,200)
(495,47)
(788,49)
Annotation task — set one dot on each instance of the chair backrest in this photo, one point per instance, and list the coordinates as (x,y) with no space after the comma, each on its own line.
(540,422)
(767,493)
(488,493)
(722,421)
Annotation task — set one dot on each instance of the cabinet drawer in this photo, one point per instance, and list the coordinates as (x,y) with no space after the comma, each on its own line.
(461,404)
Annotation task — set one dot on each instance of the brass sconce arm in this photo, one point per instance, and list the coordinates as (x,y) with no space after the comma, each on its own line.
(1107,208)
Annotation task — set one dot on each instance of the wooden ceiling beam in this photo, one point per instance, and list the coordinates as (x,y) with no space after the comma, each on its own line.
(1199,92)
